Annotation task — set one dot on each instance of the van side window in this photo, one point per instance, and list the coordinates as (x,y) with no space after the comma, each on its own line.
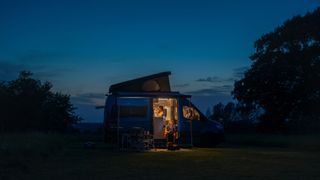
(129,111)
(133,111)
(190,113)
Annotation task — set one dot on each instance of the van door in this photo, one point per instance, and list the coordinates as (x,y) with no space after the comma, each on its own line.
(165,110)
(185,123)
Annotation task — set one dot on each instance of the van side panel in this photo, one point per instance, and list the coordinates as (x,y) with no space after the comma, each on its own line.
(184,126)
(204,132)
(134,112)
(131,112)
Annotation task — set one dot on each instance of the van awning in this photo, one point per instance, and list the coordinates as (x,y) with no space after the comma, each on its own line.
(150,94)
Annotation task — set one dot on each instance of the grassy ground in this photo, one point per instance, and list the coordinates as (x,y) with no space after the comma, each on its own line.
(63,157)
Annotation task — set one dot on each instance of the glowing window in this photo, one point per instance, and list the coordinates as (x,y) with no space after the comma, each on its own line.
(190,113)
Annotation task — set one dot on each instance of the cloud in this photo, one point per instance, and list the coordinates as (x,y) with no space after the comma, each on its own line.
(213,91)
(92,95)
(238,73)
(215,79)
(93,99)
(181,85)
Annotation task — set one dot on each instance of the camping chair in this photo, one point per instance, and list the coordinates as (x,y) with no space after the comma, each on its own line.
(148,141)
(136,140)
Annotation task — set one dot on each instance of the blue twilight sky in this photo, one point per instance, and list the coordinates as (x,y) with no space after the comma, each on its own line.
(83,47)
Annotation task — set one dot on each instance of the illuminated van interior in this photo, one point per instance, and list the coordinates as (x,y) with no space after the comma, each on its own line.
(164,111)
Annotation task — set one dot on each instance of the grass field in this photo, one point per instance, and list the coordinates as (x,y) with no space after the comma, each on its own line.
(57,157)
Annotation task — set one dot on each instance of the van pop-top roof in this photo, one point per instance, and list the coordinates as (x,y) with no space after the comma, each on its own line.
(154,83)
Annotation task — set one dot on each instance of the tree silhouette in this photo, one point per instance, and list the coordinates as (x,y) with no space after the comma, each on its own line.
(218,112)
(284,78)
(233,119)
(26,104)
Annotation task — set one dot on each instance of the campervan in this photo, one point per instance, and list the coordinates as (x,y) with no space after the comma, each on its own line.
(149,103)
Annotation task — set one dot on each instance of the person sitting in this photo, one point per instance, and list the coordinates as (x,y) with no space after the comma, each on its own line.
(170,134)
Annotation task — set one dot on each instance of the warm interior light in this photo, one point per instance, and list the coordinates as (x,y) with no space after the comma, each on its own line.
(165,114)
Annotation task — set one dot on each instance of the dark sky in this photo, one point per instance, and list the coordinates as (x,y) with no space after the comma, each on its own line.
(83,47)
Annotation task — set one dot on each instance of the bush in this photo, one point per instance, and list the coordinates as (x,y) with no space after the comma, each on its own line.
(27,104)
